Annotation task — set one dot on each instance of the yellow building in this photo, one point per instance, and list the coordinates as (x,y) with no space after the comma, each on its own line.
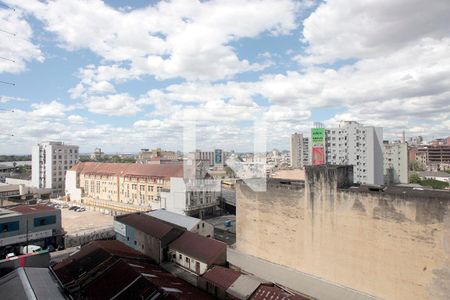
(133,185)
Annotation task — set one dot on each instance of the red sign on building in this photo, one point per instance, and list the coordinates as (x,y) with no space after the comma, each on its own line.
(318,156)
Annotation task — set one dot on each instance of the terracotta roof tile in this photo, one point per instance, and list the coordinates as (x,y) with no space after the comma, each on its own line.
(129,169)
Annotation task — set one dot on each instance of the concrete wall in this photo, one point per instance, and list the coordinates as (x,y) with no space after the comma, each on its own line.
(73,189)
(142,242)
(392,246)
(187,262)
(204,229)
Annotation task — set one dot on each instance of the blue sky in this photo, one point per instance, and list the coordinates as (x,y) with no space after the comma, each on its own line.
(124,77)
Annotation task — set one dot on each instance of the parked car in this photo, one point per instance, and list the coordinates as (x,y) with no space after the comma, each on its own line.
(30,249)
(10,255)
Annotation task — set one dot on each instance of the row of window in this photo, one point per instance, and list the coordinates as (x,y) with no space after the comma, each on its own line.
(37,222)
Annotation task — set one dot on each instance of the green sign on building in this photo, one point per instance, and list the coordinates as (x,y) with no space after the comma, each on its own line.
(318,136)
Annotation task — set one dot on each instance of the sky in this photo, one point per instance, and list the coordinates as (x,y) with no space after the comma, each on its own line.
(141,75)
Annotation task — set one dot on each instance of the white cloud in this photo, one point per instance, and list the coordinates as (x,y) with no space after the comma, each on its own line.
(5,99)
(53,109)
(76,119)
(16,48)
(112,105)
(347,29)
(179,38)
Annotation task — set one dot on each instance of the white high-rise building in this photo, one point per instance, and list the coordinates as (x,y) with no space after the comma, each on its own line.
(360,146)
(299,150)
(50,161)
(396,163)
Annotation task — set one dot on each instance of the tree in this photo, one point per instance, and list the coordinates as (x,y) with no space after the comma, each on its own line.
(414,178)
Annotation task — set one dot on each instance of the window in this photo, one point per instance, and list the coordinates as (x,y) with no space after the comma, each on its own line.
(43,221)
(180,256)
(187,260)
(10,226)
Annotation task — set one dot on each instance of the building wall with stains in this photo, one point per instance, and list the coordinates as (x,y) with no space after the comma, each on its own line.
(393,245)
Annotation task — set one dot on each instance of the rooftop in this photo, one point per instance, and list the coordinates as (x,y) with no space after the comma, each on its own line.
(199,247)
(409,192)
(174,218)
(29,283)
(32,208)
(147,224)
(267,292)
(221,276)
(245,286)
(129,169)
(107,269)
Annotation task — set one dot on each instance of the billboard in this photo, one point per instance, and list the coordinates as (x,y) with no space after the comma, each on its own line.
(318,136)
(318,155)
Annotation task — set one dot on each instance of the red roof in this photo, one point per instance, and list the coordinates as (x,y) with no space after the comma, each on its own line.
(221,277)
(199,247)
(265,292)
(147,224)
(32,208)
(90,256)
(119,169)
(103,269)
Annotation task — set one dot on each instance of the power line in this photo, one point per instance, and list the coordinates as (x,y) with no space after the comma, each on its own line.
(7,32)
(5,82)
(4,58)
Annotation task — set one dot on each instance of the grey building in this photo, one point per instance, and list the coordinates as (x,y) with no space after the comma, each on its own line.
(33,224)
(146,234)
(396,169)
(359,146)
(50,161)
(299,150)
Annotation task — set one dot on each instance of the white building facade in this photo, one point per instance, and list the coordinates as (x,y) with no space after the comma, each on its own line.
(189,197)
(299,150)
(360,146)
(396,163)
(50,161)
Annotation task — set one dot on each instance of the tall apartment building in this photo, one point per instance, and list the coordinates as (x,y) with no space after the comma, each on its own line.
(396,163)
(360,146)
(50,161)
(299,150)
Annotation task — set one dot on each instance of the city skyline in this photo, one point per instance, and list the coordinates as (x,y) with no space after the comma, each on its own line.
(133,75)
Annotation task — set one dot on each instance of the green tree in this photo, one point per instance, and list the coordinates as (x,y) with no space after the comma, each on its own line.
(414,178)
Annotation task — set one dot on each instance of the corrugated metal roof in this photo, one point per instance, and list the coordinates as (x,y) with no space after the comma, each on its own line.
(129,169)
(199,247)
(244,286)
(174,218)
(29,283)
(106,269)
(30,209)
(147,224)
(265,292)
(221,277)
(90,256)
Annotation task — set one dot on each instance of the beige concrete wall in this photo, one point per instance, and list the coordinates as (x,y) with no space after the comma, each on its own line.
(131,190)
(392,247)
